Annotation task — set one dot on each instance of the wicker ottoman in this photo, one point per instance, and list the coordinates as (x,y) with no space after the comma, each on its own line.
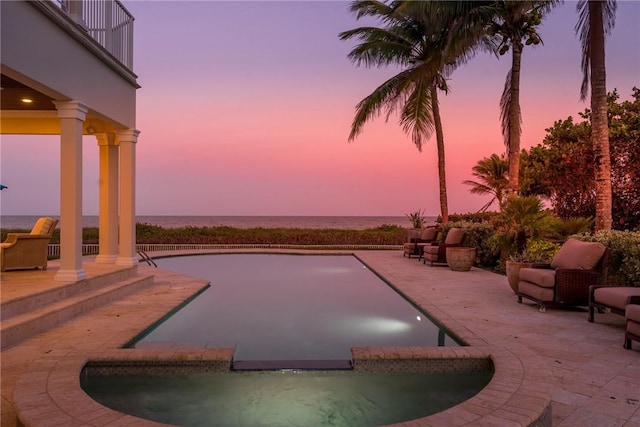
(612,298)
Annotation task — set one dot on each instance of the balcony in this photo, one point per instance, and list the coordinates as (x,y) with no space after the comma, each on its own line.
(107,21)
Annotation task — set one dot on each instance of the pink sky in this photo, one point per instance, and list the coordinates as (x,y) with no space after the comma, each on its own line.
(245,109)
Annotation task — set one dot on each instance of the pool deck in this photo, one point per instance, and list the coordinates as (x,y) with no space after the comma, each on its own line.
(557,356)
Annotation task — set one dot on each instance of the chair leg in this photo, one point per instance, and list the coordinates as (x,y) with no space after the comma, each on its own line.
(627,342)
(591,313)
(543,308)
(519,299)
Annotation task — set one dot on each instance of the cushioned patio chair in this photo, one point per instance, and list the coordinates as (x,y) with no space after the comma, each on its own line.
(566,281)
(415,245)
(632,313)
(611,298)
(437,251)
(28,250)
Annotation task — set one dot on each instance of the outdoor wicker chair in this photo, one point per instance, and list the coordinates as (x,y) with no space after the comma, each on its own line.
(415,246)
(566,280)
(28,250)
(437,251)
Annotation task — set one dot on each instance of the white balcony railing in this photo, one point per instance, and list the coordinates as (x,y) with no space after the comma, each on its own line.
(106,21)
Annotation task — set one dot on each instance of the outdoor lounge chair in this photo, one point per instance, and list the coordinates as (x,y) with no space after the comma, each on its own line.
(566,281)
(415,245)
(611,298)
(437,251)
(28,250)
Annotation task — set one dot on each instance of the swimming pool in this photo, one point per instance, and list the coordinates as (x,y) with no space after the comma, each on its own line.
(290,311)
(291,398)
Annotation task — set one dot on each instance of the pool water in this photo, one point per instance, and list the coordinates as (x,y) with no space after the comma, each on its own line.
(288,309)
(289,398)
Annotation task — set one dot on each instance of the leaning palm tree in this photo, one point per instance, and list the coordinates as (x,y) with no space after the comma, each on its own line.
(596,19)
(417,43)
(513,25)
(491,173)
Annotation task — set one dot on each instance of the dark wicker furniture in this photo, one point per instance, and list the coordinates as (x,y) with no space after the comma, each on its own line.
(612,298)
(437,252)
(560,286)
(415,245)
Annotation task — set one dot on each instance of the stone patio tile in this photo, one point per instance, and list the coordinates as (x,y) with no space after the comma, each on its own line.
(585,417)
(568,397)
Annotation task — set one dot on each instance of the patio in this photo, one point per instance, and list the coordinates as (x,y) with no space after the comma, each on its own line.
(593,381)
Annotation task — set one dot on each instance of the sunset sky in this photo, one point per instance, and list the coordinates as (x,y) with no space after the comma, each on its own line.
(245,109)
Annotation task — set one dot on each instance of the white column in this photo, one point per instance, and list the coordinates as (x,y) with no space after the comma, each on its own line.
(72,115)
(127,255)
(108,188)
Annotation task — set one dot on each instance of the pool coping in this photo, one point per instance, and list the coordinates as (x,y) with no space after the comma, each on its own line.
(518,394)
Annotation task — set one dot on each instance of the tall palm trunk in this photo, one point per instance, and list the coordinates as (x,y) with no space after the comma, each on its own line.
(513,143)
(444,207)
(599,123)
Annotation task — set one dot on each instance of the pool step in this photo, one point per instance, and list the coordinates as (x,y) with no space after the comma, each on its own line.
(57,292)
(277,365)
(51,312)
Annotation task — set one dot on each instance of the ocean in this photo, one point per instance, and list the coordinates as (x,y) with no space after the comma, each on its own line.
(315,222)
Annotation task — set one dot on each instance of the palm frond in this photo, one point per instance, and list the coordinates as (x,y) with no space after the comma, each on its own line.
(370,107)
(583,30)
(505,103)
(416,118)
(379,47)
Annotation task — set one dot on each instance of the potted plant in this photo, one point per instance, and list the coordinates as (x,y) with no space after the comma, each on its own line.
(521,219)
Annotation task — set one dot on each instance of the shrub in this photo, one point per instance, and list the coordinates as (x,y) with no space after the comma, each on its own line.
(624,262)
(478,235)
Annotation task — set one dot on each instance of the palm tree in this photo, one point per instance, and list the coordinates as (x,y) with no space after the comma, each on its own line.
(491,173)
(596,19)
(418,43)
(512,26)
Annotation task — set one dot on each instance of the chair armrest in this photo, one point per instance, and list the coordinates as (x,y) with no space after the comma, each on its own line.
(418,240)
(13,238)
(544,265)
(451,245)
(21,236)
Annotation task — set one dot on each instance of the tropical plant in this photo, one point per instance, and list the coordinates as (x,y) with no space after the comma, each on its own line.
(417,218)
(491,173)
(596,19)
(521,219)
(418,41)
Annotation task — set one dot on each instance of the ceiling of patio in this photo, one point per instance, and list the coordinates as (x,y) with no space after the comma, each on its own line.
(13,92)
